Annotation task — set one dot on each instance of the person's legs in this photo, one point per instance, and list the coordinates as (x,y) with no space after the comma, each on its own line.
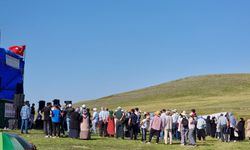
(158,135)
(45,128)
(151,134)
(101,128)
(191,136)
(182,136)
(105,127)
(94,126)
(49,125)
(136,130)
(22,124)
(165,136)
(26,125)
(144,135)
(58,129)
(31,121)
(131,132)
(203,134)
(68,123)
(170,136)
(54,129)
(232,137)
(117,129)
(185,136)
(199,134)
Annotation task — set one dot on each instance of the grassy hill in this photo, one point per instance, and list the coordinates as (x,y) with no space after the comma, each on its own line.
(207,94)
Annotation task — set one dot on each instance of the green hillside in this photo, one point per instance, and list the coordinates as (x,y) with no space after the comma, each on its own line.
(207,94)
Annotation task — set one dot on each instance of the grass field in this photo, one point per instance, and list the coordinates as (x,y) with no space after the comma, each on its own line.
(97,143)
(207,94)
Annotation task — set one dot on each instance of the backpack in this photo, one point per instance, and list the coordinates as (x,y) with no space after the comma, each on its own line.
(184,122)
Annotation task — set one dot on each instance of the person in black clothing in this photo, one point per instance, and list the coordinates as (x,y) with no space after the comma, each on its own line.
(208,126)
(213,127)
(133,126)
(32,115)
(69,110)
(240,128)
(63,125)
(47,124)
(74,126)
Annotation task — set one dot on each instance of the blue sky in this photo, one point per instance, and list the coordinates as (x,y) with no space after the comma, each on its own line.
(80,49)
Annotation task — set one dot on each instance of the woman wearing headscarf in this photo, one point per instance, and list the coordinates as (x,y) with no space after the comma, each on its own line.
(240,128)
(74,126)
(85,126)
(111,124)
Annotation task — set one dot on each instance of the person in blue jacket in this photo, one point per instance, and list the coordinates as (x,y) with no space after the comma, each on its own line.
(55,116)
(25,115)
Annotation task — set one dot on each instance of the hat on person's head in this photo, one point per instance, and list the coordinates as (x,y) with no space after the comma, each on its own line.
(184,113)
(94,109)
(168,112)
(83,106)
(157,113)
(119,108)
(174,110)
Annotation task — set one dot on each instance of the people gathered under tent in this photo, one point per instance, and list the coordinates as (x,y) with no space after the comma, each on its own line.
(165,126)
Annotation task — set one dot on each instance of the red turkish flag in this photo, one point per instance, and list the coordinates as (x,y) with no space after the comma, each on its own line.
(19,50)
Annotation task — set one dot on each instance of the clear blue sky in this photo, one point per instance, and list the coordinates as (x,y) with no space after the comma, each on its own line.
(80,49)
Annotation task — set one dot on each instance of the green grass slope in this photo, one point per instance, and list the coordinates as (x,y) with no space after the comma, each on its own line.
(207,94)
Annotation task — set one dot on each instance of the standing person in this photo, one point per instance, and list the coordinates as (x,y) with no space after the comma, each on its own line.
(175,117)
(85,126)
(47,124)
(102,119)
(120,117)
(213,127)
(248,129)
(191,127)
(111,124)
(63,124)
(95,119)
(168,128)
(138,114)
(155,127)
(133,125)
(208,126)
(56,119)
(232,126)
(25,115)
(69,110)
(240,128)
(227,132)
(201,126)
(106,114)
(163,119)
(222,125)
(144,127)
(183,127)
(32,115)
(74,126)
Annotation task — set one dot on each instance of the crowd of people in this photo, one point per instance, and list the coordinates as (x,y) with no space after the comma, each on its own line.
(164,125)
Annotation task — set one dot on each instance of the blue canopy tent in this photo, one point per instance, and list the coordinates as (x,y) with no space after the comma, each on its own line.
(11,74)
